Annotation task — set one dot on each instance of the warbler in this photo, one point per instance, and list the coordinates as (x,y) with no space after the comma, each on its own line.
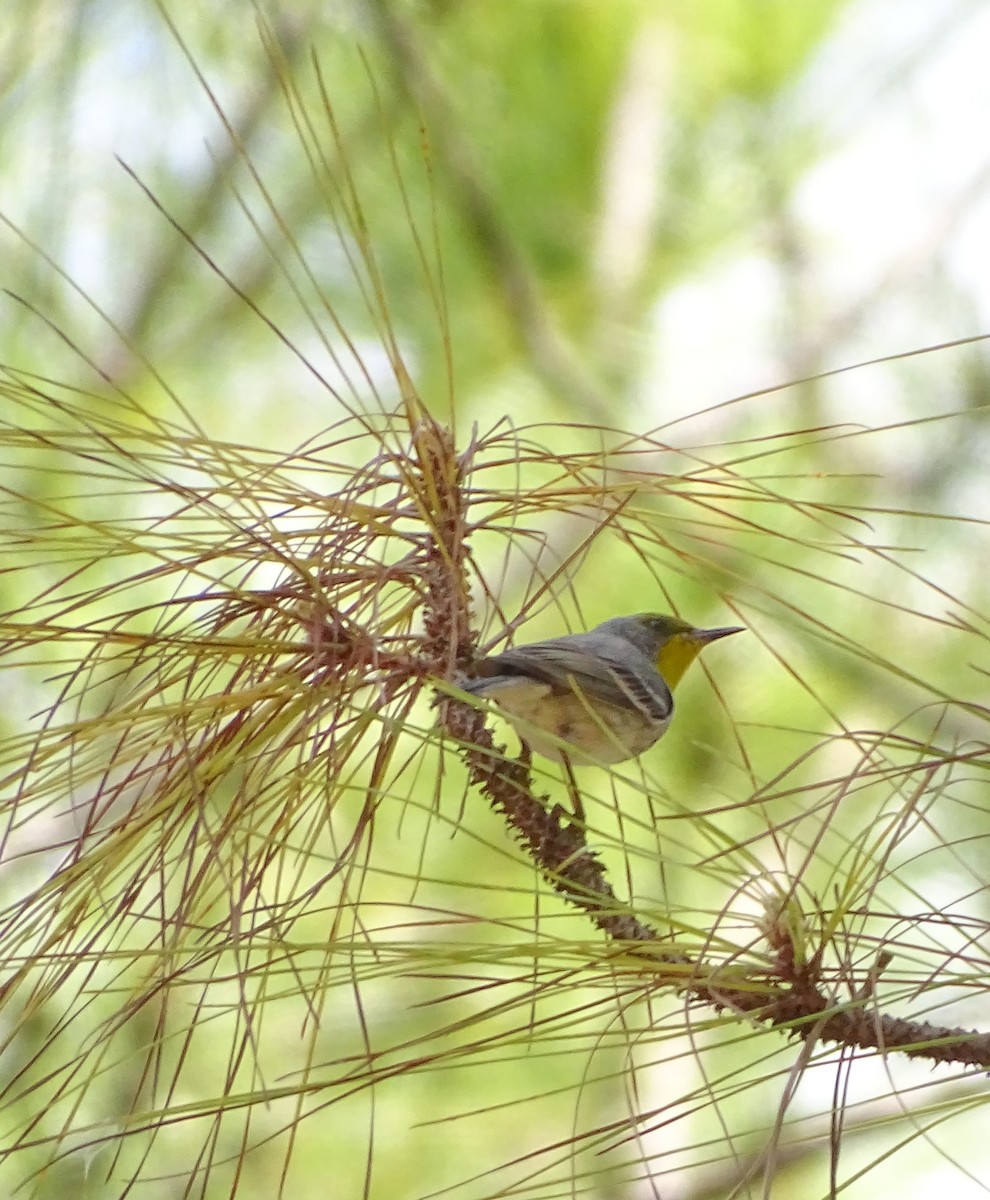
(607,693)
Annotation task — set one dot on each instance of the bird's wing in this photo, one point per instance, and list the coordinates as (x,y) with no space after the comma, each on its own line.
(606,674)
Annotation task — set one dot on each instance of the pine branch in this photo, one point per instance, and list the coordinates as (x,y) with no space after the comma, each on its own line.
(792,997)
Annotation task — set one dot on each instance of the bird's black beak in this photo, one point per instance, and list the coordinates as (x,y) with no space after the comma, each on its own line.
(712,635)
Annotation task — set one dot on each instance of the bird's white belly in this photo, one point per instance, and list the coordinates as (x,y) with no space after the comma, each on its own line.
(605,735)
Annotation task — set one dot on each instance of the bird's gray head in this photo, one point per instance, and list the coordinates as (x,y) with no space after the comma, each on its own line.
(668,642)
(648,632)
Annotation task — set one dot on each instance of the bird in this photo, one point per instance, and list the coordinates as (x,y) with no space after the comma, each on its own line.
(604,696)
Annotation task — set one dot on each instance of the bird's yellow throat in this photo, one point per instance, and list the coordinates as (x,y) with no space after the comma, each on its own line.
(677,654)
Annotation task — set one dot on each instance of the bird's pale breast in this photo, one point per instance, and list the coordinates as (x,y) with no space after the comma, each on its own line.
(605,734)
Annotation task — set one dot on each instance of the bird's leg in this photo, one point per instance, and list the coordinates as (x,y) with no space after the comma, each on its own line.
(572,789)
